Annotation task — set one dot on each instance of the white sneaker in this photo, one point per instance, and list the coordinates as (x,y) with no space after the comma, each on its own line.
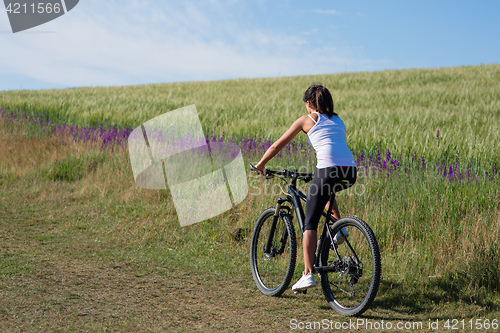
(338,238)
(306,281)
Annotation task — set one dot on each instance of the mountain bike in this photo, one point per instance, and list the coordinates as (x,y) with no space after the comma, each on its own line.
(347,257)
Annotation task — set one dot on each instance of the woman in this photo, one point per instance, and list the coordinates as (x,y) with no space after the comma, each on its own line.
(335,170)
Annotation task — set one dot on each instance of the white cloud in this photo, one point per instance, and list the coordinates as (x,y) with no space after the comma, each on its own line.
(135,42)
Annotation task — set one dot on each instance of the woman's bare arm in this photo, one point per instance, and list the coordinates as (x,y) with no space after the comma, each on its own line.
(304,123)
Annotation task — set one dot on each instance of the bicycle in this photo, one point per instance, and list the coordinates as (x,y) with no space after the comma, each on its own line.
(349,264)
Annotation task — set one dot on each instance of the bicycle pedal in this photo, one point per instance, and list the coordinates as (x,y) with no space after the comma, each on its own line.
(304,291)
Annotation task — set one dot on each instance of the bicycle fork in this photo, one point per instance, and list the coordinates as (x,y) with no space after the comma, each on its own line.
(269,244)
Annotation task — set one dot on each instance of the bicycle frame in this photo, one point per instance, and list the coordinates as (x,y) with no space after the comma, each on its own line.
(294,196)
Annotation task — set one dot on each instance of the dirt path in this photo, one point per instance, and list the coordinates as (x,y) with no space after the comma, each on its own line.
(125,297)
(121,297)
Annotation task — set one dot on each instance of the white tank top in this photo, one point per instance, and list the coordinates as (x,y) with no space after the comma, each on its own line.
(328,138)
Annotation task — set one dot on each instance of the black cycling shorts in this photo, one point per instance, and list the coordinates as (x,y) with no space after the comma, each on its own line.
(326,180)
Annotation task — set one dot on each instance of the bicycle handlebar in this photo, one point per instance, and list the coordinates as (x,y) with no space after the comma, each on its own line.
(306,177)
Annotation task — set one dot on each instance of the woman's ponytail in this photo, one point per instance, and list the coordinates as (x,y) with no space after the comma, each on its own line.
(321,99)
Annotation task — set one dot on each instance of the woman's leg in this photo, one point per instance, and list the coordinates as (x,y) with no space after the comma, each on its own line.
(310,240)
(309,243)
(317,196)
(335,209)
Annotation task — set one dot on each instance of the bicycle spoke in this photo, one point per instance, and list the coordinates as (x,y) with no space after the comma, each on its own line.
(333,284)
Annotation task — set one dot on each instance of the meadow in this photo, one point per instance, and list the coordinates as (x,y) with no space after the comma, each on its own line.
(427,142)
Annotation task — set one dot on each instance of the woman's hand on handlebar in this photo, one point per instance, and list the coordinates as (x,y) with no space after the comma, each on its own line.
(261,169)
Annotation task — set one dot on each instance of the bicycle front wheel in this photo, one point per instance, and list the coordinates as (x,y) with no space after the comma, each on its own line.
(273,253)
(352,287)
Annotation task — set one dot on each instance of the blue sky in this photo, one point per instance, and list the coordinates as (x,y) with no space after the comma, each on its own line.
(108,43)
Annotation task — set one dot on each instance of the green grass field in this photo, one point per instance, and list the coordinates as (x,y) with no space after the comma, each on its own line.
(387,110)
(83,248)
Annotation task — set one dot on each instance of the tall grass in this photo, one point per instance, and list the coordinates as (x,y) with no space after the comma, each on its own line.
(396,110)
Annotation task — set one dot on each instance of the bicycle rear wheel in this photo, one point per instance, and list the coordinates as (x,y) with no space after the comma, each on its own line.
(351,289)
(272,270)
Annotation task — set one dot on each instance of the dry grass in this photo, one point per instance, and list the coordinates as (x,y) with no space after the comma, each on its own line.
(21,155)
